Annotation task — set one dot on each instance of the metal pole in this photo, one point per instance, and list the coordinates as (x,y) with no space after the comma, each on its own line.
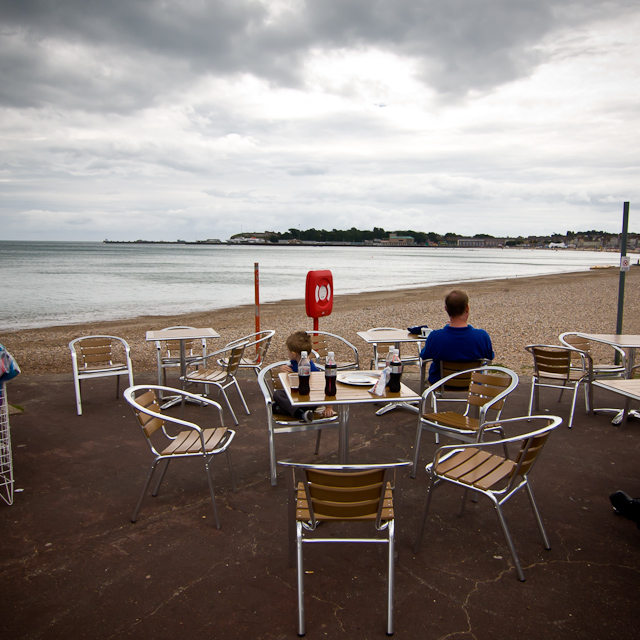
(623,253)
(256,279)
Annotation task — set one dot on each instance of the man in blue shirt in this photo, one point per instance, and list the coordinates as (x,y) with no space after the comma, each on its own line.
(458,341)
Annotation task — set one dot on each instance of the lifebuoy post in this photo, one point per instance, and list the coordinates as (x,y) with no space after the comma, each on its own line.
(319,295)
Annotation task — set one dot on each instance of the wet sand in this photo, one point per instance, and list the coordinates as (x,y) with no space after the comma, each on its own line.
(515,312)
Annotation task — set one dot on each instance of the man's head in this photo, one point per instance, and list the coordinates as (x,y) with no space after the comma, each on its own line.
(298,342)
(456,303)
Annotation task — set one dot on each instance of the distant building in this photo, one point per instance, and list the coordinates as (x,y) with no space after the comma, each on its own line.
(398,241)
(482,242)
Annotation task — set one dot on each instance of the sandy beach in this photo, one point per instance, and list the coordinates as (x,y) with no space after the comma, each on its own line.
(515,312)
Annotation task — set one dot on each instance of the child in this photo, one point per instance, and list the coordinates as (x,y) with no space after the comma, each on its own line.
(297,342)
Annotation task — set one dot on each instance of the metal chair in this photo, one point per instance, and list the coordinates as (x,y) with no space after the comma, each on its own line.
(488,388)
(338,493)
(98,357)
(260,341)
(277,423)
(168,353)
(221,376)
(473,466)
(346,353)
(586,362)
(192,442)
(552,369)
(381,349)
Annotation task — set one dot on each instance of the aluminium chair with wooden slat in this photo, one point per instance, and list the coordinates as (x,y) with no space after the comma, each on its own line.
(192,441)
(340,493)
(586,362)
(260,342)
(474,467)
(346,353)
(207,371)
(489,387)
(278,423)
(98,357)
(552,370)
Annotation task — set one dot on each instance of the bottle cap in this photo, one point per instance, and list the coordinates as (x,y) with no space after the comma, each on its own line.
(303,354)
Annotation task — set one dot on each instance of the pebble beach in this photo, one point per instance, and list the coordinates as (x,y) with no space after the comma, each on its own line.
(515,312)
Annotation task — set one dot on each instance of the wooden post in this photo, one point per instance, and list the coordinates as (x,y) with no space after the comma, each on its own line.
(256,278)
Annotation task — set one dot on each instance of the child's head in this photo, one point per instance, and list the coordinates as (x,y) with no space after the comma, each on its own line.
(298,342)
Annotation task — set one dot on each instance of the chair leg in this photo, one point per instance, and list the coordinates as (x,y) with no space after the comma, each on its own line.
(134,516)
(272,455)
(213,495)
(416,452)
(246,408)
(573,404)
(533,393)
(536,513)
(507,537)
(161,478)
(226,397)
(425,510)
(78,397)
(318,442)
(390,585)
(300,566)
(117,386)
(231,471)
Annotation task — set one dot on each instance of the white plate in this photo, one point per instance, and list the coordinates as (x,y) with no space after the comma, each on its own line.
(357,379)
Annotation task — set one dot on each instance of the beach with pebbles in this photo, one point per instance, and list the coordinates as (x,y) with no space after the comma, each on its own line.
(515,312)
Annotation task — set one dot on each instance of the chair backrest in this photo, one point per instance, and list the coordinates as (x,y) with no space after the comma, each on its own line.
(95,352)
(551,361)
(260,340)
(263,347)
(577,342)
(489,388)
(347,492)
(529,452)
(268,380)
(461,382)
(150,424)
(234,360)
(171,348)
(346,353)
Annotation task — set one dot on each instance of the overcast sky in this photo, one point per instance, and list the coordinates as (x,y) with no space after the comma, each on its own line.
(195,119)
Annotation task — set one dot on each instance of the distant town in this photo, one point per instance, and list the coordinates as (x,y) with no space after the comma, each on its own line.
(591,240)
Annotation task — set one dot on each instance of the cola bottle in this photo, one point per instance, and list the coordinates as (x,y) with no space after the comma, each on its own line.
(304,373)
(396,373)
(330,369)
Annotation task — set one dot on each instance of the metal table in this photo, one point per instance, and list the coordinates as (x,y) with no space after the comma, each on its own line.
(346,396)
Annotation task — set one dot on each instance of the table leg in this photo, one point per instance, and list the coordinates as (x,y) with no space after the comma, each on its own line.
(343,434)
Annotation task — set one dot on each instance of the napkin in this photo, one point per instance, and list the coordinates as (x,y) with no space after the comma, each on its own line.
(417,330)
(379,386)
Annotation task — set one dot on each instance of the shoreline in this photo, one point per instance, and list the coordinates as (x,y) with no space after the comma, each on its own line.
(515,311)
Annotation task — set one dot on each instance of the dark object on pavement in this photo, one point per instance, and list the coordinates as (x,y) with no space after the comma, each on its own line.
(626,506)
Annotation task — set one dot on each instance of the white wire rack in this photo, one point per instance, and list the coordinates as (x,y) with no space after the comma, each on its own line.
(6,461)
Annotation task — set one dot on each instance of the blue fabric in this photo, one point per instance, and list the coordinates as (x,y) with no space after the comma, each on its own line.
(294,366)
(455,344)
(8,366)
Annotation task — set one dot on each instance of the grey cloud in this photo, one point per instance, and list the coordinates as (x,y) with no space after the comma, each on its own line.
(149,47)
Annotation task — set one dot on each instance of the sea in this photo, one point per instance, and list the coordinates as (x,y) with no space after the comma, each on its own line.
(64,283)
